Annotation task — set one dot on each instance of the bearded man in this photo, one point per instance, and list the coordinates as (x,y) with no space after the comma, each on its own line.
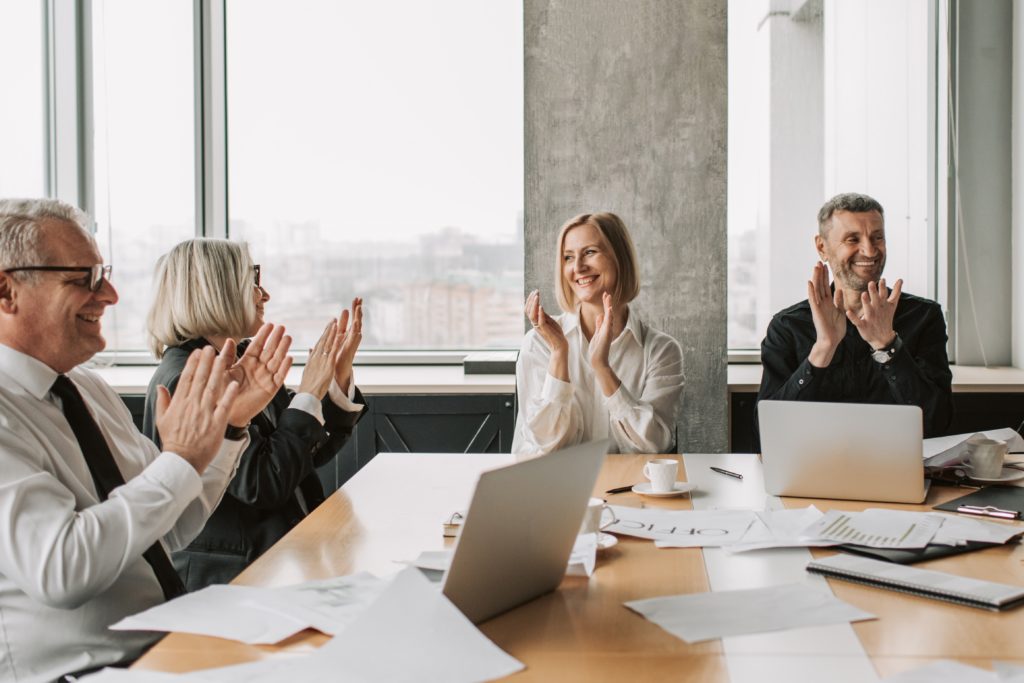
(858,341)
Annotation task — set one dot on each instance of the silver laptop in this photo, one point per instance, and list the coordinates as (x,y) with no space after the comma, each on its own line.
(853,451)
(520,529)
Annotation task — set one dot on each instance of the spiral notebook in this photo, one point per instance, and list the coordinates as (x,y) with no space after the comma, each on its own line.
(923,582)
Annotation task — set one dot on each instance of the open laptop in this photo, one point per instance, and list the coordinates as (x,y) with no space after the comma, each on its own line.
(520,529)
(853,451)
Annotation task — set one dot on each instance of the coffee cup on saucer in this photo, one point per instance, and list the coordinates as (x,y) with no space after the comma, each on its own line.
(662,473)
(986,456)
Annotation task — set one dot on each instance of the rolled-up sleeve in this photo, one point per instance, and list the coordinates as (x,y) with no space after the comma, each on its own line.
(550,416)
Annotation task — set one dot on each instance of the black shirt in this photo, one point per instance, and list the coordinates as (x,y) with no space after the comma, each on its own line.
(918,374)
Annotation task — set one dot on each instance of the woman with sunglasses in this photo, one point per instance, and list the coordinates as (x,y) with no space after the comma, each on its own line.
(208,290)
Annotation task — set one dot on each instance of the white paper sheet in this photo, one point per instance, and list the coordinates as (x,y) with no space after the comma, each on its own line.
(944,671)
(941,451)
(876,528)
(958,529)
(682,528)
(779,529)
(705,616)
(261,616)
(583,558)
(411,633)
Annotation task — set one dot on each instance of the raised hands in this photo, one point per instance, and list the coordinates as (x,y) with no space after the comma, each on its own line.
(260,372)
(828,311)
(192,423)
(600,345)
(551,332)
(876,313)
(334,353)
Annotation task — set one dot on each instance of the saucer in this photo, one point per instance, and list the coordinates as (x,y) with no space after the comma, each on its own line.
(680,487)
(1009,474)
(605,541)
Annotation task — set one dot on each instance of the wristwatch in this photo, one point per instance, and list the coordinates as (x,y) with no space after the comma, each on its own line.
(233,433)
(885,355)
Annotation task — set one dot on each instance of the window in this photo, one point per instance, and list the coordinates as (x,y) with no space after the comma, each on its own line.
(23,116)
(376,149)
(143,148)
(829,98)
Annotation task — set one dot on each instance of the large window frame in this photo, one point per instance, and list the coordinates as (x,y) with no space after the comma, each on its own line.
(69,62)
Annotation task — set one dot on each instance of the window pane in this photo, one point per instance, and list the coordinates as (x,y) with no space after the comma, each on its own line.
(829,99)
(377,150)
(144,149)
(23,116)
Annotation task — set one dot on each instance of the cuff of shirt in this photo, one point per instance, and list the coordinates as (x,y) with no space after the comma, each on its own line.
(806,373)
(307,403)
(174,473)
(619,403)
(345,401)
(555,390)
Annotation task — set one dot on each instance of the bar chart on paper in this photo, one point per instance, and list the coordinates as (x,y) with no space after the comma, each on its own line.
(876,528)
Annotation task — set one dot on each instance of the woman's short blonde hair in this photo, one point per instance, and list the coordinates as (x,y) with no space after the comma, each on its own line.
(619,244)
(203,287)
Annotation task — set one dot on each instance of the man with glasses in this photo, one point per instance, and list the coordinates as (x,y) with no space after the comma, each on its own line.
(90,507)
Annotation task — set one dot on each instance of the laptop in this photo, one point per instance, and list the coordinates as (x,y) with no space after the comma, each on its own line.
(520,529)
(852,451)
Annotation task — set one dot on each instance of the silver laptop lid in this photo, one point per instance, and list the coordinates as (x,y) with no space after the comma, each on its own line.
(853,451)
(519,530)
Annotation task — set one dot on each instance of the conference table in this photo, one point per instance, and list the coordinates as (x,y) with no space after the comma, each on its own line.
(394,508)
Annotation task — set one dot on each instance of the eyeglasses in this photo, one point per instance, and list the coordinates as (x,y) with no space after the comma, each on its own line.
(256,274)
(97,273)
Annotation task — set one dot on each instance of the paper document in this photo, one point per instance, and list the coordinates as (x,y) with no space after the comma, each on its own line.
(942,451)
(582,560)
(958,530)
(780,529)
(682,528)
(876,528)
(412,632)
(705,616)
(261,616)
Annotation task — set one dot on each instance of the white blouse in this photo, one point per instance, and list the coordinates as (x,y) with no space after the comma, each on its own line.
(638,418)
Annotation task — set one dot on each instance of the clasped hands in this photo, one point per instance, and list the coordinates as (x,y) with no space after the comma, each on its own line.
(215,390)
(830,313)
(334,353)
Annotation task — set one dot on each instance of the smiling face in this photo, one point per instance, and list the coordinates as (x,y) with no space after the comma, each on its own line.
(261,296)
(55,318)
(587,264)
(854,248)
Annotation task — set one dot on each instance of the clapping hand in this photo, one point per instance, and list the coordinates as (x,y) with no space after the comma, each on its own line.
(192,422)
(601,342)
(547,327)
(260,372)
(347,343)
(828,312)
(875,320)
(319,370)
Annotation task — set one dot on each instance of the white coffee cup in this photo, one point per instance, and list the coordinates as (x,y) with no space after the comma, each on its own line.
(593,518)
(662,473)
(986,457)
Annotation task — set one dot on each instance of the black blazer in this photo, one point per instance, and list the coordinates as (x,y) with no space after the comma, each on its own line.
(260,505)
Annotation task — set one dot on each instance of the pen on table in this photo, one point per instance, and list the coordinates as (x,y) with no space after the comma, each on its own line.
(620,489)
(727,473)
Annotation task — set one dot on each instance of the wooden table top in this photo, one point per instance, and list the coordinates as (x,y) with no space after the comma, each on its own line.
(393,509)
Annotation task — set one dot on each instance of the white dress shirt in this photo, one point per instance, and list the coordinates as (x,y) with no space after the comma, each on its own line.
(638,418)
(71,565)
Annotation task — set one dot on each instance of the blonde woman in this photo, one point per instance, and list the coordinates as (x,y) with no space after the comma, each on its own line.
(208,290)
(595,371)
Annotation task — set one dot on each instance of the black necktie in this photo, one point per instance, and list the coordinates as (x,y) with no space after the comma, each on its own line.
(106,476)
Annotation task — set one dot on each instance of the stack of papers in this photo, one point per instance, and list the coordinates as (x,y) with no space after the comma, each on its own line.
(743,530)
(411,632)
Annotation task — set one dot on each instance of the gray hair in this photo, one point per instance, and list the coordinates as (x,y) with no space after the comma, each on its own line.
(204,288)
(21,239)
(847,201)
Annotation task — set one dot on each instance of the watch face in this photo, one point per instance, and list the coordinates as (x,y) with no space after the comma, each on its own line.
(882,356)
